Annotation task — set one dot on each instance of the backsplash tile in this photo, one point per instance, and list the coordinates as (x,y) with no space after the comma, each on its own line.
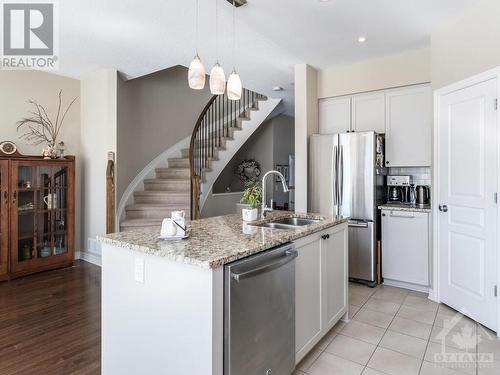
(420,175)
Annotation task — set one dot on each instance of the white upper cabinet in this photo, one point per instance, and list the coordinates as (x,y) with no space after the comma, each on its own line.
(368,112)
(334,115)
(409,127)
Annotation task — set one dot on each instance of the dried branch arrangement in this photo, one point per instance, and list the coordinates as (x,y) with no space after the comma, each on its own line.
(39,128)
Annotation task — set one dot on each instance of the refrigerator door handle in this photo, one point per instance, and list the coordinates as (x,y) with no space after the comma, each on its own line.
(341,173)
(357,224)
(334,177)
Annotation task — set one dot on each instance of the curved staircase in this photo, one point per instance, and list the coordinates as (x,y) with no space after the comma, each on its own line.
(180,183)
(168,191)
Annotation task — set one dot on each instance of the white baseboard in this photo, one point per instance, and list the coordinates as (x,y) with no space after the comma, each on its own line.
(89,257)
(410,286)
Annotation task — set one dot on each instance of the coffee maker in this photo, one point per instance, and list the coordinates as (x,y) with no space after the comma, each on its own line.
(400,190)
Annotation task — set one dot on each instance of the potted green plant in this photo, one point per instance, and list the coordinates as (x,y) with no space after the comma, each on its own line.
(252,196)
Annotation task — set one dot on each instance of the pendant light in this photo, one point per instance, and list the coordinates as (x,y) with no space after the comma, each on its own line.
(217,76)
(196,73)
(234,81)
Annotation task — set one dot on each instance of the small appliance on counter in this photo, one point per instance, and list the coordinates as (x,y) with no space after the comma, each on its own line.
(400,190)
(423,195)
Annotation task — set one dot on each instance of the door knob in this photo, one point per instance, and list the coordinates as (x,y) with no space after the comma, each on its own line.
(443,208)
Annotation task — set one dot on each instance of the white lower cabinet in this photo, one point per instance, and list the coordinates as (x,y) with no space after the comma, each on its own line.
(321,282)
(405,247)
(335,256)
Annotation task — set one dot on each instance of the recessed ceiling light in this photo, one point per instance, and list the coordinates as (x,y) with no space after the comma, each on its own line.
(324,1)
(277,88)
(362,39)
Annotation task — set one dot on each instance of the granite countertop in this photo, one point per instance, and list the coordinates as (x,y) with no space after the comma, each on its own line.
(216,241)
(405,207)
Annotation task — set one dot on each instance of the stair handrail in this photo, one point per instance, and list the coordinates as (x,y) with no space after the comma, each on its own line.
(219,115)
(194,178)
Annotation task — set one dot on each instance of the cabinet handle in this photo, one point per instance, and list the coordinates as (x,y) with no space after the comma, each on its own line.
(387,162)
(325,236)
(6,197)
(14,196)
(401,214)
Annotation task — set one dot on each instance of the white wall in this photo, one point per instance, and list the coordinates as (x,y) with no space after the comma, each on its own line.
(16,87)
(306,123)
(468,46)
(98,137)
(407,68)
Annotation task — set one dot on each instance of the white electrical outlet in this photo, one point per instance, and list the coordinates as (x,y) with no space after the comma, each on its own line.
(139,270)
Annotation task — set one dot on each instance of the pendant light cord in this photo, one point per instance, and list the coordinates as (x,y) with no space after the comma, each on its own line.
(234,36)
(196,28)
(217,30)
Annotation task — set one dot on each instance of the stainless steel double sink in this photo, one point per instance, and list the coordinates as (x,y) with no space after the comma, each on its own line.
(287,223)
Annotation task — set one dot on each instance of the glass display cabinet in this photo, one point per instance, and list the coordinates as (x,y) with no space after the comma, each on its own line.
(37,215)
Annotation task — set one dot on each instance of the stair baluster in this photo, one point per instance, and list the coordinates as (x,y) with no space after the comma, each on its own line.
(217,122)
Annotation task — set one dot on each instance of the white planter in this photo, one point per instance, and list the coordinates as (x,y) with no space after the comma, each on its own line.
(249,214)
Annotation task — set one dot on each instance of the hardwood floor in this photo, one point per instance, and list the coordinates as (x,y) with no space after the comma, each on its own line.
(50,323)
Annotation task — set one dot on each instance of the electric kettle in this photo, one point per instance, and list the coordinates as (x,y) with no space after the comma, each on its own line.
(423,195)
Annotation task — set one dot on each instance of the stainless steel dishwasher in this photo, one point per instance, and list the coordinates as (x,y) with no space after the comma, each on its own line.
(259,314)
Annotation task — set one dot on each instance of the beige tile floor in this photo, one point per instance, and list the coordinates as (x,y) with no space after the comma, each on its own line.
(394,331)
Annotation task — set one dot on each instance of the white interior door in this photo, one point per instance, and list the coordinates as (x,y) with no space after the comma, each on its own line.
(468,182)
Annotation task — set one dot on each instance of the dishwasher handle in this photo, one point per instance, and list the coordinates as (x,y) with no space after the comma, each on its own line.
(289,256)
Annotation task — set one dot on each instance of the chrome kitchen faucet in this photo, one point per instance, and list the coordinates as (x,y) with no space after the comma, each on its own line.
(264,207)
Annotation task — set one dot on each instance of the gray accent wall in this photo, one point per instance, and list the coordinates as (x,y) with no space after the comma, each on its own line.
(154,113)
(271,144)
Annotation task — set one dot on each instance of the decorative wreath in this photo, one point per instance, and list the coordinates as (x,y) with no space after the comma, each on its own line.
(248,171)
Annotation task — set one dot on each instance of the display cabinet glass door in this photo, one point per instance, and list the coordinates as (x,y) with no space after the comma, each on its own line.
(4,217)
(39,213)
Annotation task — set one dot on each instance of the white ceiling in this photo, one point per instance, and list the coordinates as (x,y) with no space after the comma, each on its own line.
(140,37)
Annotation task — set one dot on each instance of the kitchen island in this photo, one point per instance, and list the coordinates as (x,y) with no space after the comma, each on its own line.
(163,301)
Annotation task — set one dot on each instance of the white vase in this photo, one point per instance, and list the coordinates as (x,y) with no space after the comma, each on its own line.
(249,214)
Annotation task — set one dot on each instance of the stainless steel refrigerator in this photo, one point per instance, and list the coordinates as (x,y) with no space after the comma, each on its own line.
(346,178)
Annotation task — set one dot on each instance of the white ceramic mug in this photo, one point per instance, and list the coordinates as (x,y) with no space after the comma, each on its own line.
(51,201)
(168,228)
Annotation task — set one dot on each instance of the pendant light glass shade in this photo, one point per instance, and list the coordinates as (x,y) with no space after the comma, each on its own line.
(234,86)
(196,74)
(217,80)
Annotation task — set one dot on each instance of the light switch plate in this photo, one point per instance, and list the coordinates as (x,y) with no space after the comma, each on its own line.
(139,270)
